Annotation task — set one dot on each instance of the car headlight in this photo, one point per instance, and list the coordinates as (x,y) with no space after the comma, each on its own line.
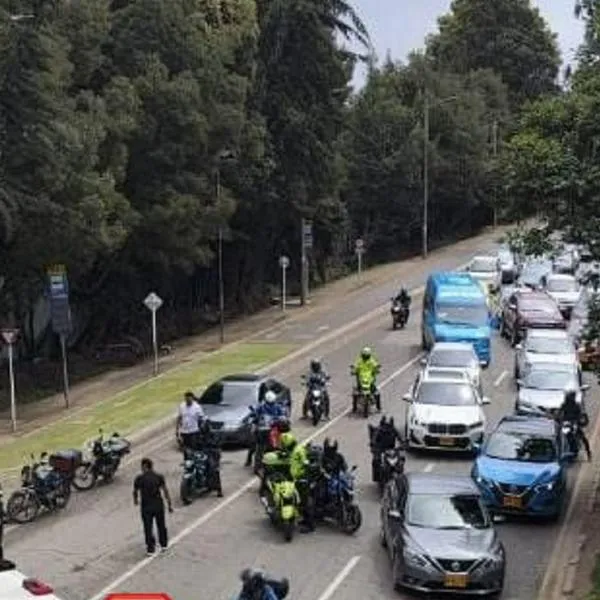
(545,487)
(414,558)
(483,481)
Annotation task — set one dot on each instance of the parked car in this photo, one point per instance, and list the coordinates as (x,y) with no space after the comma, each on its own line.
(566,261)
(533,272)
(542,388)
(226,404)
(486,269)
(508,265)
(455,355)
(444,414)
(564,290)
(545,346)
(440,537)
(530,310)
(521,468)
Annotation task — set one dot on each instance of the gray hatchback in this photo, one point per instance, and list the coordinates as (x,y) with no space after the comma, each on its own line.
(440,536)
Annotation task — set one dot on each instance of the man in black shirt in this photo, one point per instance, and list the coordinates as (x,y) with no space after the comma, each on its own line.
(150,486)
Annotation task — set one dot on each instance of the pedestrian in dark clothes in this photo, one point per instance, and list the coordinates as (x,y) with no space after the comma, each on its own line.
(150,487)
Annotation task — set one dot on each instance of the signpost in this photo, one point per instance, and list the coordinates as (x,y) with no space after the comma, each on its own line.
(359,249)
(307,244)
(284,263)
(60,311)
(10,337)
(153,302)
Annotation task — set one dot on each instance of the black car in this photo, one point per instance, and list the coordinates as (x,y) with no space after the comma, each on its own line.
(440,536)
(227,402)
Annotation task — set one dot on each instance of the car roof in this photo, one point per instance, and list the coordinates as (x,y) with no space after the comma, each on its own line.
(444,485)
(242,378)
(551,365)
(449,346)
(541,426)
(559,334)
(484,257)
(445,374)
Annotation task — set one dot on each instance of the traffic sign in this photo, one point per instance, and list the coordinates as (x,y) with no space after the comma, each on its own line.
(307,234)
(284,262)
(153,301)
(59,300)
(10,335)
(359,245)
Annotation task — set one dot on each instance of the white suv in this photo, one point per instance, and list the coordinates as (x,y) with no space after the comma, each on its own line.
(444,414)
(16,586)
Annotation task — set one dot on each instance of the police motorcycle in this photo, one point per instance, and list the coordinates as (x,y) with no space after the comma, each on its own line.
(316,390)
(400,313)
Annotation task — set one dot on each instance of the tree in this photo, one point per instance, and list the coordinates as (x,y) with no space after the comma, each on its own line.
(508,36)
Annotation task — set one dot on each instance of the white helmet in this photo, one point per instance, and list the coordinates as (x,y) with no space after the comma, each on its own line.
(270,397)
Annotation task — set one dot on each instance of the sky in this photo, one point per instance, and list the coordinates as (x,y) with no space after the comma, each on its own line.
(399,27)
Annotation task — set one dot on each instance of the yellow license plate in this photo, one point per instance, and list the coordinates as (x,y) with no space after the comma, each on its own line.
(456,580)
(446,441)
(512,502)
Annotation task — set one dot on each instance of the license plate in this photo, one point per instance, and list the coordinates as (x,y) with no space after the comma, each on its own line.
(446,441)
(456,580)
(512,502)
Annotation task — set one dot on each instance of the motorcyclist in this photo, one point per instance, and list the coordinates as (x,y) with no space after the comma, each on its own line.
(316,376)
(403,298)
(333,460)
(209,442)
(572,412)
(269,408)
(381,438)
(367,365)
(257,586)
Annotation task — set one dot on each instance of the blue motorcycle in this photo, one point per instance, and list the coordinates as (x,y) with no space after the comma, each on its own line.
(201,475)
(339,503)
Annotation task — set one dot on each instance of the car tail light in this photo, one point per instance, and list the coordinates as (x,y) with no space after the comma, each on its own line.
(37,587)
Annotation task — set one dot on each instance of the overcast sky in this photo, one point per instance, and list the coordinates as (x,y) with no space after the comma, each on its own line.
(400,26)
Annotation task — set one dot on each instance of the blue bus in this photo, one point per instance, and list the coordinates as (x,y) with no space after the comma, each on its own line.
(455,309)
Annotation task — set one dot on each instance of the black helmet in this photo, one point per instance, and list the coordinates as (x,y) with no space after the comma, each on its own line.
(315,365)
(570,395)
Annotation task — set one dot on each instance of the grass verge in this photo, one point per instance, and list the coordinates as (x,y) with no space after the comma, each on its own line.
(133,410)
(595,593)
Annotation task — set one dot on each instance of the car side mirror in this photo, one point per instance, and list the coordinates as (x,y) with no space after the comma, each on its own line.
(423,362)
(512,306)
(486,400)
(407,398)
(519,383)
(585,387)
(394,515)
(476,448)
(519,347)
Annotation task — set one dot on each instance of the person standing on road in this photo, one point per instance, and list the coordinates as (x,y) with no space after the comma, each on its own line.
(188,421)
(150,487)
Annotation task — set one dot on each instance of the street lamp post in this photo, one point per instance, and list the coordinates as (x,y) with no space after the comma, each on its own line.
(425,225)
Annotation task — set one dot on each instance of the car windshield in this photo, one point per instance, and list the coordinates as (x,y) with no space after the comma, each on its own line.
(452,314)
(231,394)
(522,447)
(435,511)
(486,264)
(451,358)
(550,379)
(562,285)
(542,345)
(446,393)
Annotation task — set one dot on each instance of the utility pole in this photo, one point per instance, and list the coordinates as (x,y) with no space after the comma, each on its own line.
(220,265)
(495,151)
(307,244)
(425,231)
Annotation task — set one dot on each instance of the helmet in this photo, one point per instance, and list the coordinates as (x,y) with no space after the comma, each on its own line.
(270,397)
(366,352)
(315,365)
(570,394)
(287,440)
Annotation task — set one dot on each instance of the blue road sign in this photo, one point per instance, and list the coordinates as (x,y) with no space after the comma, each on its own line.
(59,300)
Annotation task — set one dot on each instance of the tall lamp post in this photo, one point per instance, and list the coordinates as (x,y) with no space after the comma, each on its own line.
(425,226)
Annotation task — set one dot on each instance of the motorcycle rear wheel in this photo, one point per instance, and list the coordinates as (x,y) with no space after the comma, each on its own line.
(185,492)
(22,507)
(352,519)
(316,417)
(63,495)
(366,403)
(84,478)
(288,528)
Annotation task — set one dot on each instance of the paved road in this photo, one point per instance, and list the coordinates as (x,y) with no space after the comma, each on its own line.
(98,538)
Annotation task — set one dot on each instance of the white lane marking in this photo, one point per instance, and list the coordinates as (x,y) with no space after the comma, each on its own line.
(335,584)
(323,328)
(500,378)
(237,494)
(429,467)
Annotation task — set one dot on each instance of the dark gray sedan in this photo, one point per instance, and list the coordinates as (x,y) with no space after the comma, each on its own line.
(226,404)
(440,536)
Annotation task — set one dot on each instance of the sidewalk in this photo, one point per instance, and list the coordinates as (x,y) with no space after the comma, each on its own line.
(35,415)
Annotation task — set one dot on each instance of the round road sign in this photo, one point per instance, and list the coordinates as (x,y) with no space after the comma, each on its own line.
(284,262)
(360,245)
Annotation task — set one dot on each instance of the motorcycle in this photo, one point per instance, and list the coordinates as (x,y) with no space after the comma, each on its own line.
(201,475)
(251,591)
(339,505)
(106,456)
(362,396)
(42,486)
(279,495)
(399,314)
(386,465)
(316,391)
(267,433)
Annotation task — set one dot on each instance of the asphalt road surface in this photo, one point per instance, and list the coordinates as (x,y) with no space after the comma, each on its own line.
(96,545)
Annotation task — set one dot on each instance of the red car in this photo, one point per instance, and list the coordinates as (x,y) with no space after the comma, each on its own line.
(529,310)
